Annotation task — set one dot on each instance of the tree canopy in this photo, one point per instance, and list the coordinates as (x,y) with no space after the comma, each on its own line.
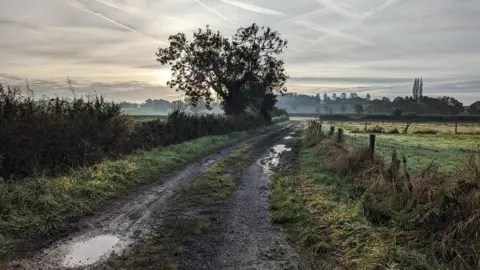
(474,108)
(243,70)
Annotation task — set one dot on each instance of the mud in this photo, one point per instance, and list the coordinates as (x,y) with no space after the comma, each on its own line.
(112,230)
(244,236)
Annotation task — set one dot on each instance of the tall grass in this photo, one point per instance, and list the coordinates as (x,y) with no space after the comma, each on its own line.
(434,212)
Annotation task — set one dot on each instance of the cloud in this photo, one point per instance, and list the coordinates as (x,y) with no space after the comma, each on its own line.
(377,46)
(253,8)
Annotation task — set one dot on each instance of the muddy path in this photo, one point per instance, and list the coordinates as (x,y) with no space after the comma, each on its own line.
(121,223)
(244,236)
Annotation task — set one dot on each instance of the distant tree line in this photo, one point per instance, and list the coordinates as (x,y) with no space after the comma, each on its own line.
(353,102)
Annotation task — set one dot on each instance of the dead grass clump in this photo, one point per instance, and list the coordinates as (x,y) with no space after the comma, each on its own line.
(439,211)
(354,162)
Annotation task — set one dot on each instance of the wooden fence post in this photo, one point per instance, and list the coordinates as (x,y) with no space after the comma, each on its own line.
(456,127)
(340,135)
(332,130)
(319,131)
(372,146)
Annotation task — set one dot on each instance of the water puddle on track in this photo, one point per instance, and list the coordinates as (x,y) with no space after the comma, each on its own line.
(89,251)
(272,161)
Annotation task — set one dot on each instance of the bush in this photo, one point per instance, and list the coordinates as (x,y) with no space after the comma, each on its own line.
(53,135)
(179,127)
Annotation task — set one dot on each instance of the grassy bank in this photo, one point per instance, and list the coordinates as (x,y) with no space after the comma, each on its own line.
(38,207)
(164,247)
(344,209)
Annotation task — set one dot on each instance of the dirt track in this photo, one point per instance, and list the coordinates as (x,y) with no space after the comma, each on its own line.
(243,238)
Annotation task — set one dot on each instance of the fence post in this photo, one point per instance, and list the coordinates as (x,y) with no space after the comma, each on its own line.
(319,130)
(372,146)
(456,127)
(332,130)
(340,135)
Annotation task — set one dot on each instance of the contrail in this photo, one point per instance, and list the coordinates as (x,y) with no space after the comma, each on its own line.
(332,32)
(375,10)
(253,8)
(215,11)
(338,9)
(305,15)
(80,6)
(364,16)
(121,7)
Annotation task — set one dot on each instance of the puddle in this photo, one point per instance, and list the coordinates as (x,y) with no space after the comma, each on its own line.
(208,161)
(280,148)
(273,159)
(87,252)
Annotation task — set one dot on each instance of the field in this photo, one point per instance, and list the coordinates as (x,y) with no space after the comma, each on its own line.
(445,149)
(427,127)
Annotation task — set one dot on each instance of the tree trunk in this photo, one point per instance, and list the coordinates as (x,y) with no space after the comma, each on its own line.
(233,104)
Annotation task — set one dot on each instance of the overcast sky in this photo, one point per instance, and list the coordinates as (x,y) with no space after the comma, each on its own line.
(375,46)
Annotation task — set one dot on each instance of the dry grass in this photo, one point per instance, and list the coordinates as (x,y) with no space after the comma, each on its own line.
(440,213)
(379,214)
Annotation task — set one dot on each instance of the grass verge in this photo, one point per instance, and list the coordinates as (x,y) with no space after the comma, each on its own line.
(35,208)
(321,208)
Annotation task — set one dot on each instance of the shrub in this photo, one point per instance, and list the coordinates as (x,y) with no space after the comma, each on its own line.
(179,127)
(53,135)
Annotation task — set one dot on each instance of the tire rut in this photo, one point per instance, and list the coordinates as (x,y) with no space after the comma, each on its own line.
(244,236)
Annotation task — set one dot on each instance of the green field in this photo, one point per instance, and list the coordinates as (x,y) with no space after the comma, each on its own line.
(445,149)
(440,128)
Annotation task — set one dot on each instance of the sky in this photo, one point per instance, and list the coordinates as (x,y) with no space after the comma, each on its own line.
(363,46)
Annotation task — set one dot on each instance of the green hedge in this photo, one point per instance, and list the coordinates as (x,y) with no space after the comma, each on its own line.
(51,136)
